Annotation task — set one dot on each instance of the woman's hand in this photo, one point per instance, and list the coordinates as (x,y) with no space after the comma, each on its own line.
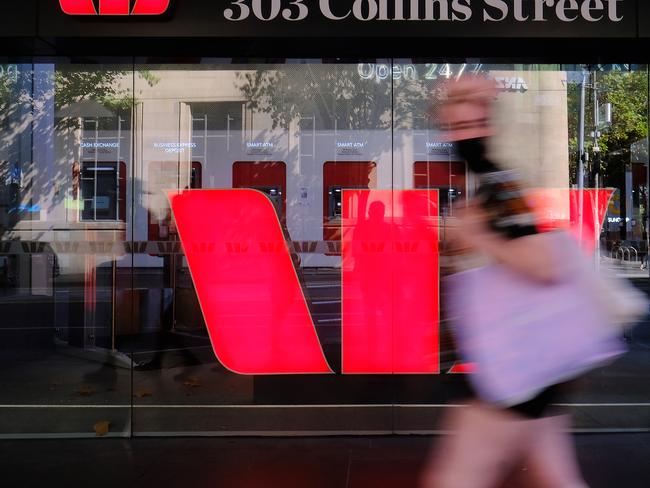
(533,256)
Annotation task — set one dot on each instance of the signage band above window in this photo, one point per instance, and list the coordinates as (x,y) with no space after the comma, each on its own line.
(487,11)
(378,20)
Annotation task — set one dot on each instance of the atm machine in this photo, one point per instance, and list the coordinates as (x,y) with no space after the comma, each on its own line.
(269,177)
(448,177)
(451,180)
(98,195)
(339,176)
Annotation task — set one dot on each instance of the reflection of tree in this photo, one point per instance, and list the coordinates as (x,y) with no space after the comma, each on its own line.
(37,106)
(628,94)
(70,84)
(15,104)
(104,86)
(336,94)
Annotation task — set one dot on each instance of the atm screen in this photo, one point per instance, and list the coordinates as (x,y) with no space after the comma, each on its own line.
(449,178)
(335,204)
(269,177)
(447,197)
(334,207)
(103,190)
(274,193)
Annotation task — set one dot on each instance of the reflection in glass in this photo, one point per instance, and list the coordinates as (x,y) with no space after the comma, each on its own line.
(94,279)
(66,132)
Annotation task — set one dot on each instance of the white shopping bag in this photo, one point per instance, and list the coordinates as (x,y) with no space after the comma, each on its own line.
(524,335)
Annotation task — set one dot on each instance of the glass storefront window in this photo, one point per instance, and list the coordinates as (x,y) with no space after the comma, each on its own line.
(66,152)
(107,329)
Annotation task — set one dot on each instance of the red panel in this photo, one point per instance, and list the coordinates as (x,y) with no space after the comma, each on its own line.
(247,174)
(462,368)
(78,7)
(434,174)
(560,209)
(346,174)
(114,7)
(150,7)
(390,281)
(249,292)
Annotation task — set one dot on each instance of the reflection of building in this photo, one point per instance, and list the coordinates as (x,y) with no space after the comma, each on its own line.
(98,199)
(98,187)
(533,127)
(194,129)
(102,184)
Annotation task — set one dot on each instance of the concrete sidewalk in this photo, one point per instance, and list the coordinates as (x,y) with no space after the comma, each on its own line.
(607,460)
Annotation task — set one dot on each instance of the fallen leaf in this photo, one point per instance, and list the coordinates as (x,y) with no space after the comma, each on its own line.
(102,428)
(142,392)
(192,381)
(85,390)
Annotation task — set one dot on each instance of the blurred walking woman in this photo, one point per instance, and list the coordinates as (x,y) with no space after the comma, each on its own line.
(489,442)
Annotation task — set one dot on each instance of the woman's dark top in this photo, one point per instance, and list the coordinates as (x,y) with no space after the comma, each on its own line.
(501,195)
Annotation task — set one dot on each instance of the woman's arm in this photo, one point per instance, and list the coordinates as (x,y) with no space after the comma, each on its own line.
(531,255)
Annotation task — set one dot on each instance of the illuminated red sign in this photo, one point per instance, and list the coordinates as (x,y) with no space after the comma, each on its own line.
(255,308)
(390,281)
(253,303)
(114,7)
(560,208)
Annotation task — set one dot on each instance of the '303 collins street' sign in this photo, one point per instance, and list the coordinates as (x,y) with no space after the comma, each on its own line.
(487,11)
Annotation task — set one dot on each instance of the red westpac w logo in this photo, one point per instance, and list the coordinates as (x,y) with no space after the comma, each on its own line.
(257,312)
(114,7)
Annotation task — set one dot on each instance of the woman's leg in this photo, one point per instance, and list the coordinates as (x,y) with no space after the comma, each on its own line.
(484,445)
(550,458)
